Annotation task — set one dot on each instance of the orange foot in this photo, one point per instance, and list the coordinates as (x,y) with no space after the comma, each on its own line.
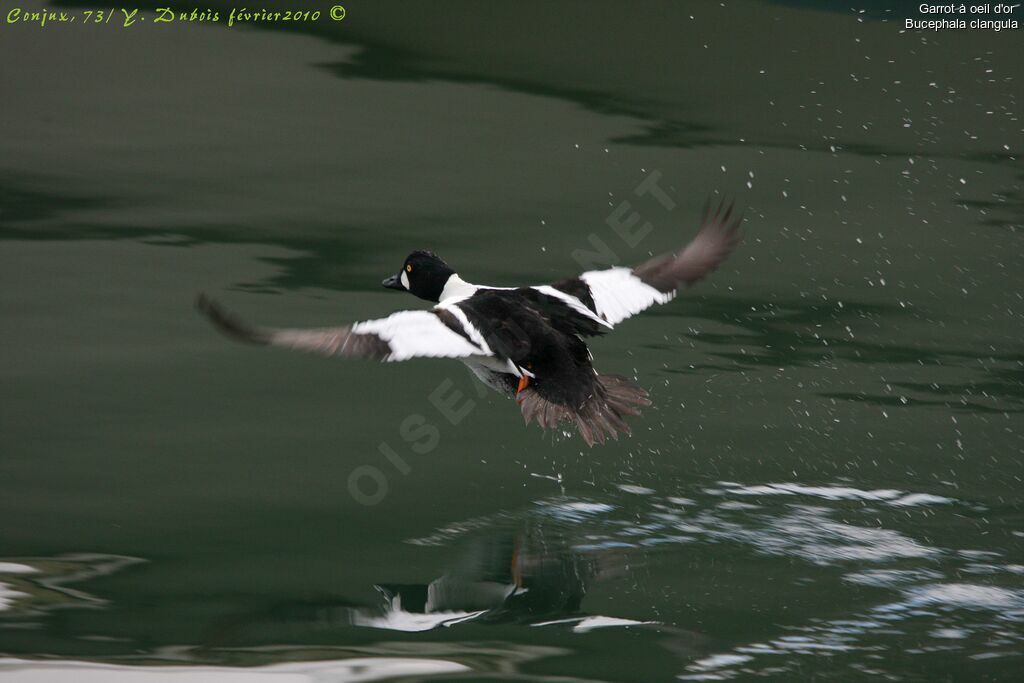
(524,381)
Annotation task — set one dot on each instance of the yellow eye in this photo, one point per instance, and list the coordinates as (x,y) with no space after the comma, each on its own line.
(408,269)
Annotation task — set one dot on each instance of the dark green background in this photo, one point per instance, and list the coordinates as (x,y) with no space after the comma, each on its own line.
(828,484)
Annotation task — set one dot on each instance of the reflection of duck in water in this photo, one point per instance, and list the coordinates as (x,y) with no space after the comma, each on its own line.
(33,586)
(509,578)
(528,578)
(497,579)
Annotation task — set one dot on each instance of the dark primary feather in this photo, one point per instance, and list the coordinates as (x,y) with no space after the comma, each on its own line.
(230,324)
(718,236)
(329,341)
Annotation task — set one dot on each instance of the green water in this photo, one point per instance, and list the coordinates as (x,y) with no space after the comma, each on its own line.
(827,486)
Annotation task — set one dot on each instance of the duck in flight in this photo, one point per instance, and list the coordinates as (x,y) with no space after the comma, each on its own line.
(526,342)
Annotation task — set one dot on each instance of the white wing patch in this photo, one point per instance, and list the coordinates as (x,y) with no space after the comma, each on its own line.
(618,294)
(474,334)
(574,303)
(412,334)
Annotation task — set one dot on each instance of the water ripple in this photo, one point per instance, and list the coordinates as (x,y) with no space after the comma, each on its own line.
(907,592)
(889,496)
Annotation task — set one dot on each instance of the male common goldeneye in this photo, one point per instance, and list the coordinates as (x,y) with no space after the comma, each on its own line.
(526,342)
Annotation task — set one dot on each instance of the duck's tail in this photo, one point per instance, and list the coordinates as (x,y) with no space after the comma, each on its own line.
(603,415)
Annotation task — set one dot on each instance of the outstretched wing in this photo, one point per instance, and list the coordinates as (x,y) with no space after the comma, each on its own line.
(400,336)
(615,294)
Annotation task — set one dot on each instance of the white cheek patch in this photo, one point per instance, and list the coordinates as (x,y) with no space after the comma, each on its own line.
(405,279)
